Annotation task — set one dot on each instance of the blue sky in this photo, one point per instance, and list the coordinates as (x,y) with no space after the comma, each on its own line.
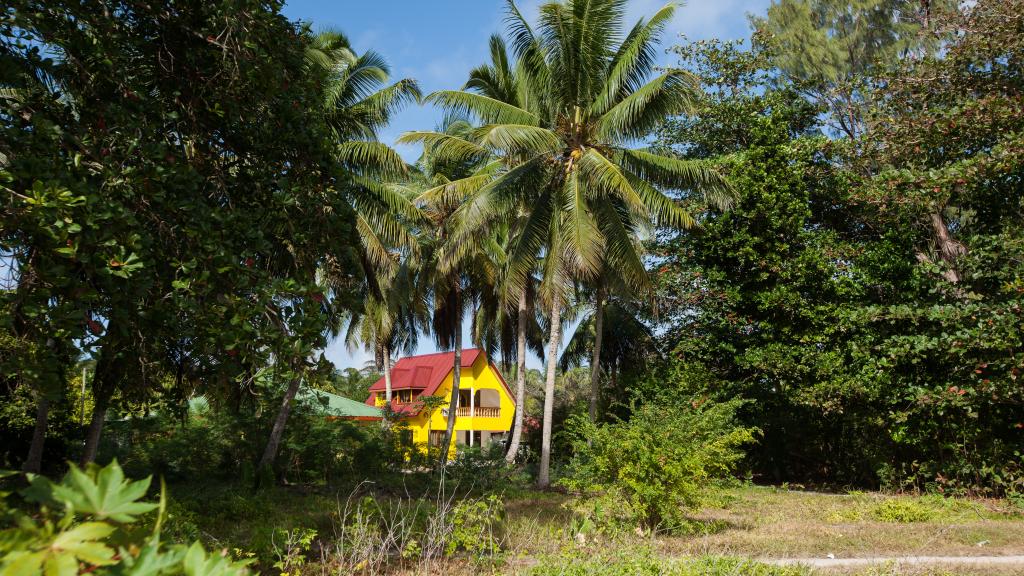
(437,42)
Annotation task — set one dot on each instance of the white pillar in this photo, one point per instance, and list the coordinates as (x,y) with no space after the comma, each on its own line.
(472,410)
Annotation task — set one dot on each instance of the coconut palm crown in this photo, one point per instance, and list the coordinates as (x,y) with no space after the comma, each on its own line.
(585,94)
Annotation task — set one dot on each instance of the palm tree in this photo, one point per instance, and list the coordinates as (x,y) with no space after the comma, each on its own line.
(389,318)
(453,272)
(570,153)
(358,102)
(617,331)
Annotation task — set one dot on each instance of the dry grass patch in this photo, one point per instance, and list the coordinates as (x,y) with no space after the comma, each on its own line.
(779,523)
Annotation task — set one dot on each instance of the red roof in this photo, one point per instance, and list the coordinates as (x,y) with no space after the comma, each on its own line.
(424,374)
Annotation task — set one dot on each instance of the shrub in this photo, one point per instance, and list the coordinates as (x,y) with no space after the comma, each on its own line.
(658,460)
(902,510)
(371,533)
(478,469)
(476,526)
(90,521)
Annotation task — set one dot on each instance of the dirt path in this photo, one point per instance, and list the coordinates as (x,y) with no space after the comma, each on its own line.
(901,560)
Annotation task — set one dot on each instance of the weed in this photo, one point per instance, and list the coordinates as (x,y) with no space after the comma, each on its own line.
(902,510)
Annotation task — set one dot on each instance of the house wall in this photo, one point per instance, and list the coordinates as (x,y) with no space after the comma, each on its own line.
(479,376)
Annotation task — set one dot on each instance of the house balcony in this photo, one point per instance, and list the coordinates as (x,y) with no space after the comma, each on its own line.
(478,411)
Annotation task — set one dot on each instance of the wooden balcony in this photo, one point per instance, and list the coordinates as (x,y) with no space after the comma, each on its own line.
(478,412)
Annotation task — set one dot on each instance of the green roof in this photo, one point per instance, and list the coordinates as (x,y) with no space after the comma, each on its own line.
(331,404)
(339,406)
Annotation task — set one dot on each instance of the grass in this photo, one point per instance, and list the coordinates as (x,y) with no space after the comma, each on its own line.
(539,535)
(777,523)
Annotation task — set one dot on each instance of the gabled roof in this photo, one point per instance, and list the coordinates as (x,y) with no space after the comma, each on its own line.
(424,374)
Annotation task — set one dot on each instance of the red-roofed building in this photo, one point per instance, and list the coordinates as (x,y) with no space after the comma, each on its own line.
(486,404)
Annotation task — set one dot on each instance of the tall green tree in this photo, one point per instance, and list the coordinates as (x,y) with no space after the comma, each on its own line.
(945,161)
(503,79)
(356,102)
(830,49)
(755,305)
(183,189)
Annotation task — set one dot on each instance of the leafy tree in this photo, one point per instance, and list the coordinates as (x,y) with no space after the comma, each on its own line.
(153,189)
(758,299)
(829,49)
(945,164)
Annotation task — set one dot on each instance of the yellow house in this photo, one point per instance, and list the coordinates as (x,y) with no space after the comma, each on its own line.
(486,405)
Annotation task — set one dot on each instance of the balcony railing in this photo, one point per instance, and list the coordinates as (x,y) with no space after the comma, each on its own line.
(479,411)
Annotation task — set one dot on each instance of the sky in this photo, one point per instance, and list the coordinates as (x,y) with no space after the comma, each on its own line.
(437,42)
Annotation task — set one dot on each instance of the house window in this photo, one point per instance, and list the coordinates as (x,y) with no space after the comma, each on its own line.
(436,437)
(464,398)
(403,396)
(405,437)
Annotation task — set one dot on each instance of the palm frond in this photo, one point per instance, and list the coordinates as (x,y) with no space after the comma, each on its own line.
(698,176)
(637,114)
(584,243)
(486,109)
(446,148)
(371,157)
(633,62)
(607,178)
(516,139)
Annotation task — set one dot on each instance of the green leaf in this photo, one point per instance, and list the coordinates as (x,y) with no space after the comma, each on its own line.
(82,542)
(104,493)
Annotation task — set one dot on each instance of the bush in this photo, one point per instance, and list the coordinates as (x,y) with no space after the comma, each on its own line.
(90,521)
(372,533)
(902,510)
(658,460)
(478,469)
(222,445)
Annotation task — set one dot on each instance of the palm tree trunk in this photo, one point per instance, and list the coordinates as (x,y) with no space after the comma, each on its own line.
(517,429)
(453,404)
(595,361)
(544,474)
(277,432)
(387,374)
(34,460)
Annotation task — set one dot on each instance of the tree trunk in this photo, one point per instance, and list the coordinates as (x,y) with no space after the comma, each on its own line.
(517,427)
(101,401)
(544,474)
(34,460)
(595,361)
(385,422)
(274,442)
(453,404)
(949,249)
(387,375)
